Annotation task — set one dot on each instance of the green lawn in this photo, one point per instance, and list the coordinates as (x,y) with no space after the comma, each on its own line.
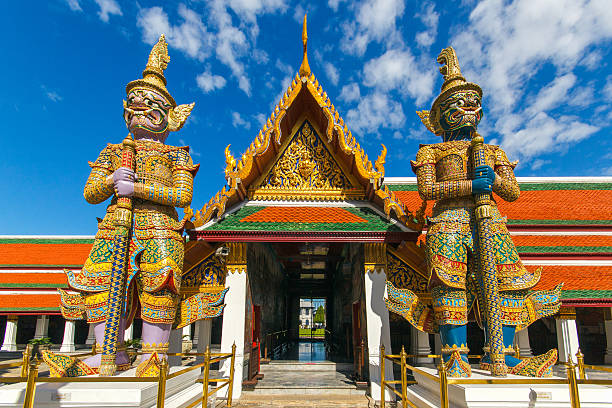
(317,333)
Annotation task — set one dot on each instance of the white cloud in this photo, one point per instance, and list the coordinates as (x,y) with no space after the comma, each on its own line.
(332,73)
(108,7)
(398,69)
(376,111)
(261,119)
(350,92)
(74,5)
(52,95)
(539,163)
(209,82)
(333,4)
(505,46)
(607,89)
(190,36)
(374,21)
(238,121)
(429,17)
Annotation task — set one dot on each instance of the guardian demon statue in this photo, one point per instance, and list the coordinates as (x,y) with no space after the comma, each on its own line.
(472,262)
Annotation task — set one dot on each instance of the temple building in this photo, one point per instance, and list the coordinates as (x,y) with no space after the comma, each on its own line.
(304,213)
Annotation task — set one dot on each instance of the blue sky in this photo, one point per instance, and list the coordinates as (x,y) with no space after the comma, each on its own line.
(544,67)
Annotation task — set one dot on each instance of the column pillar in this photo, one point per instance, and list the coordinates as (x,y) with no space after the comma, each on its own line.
(10,335)
(42,327)
(437,344)
(91,336)
(420,345)
(567,334)
(175,346)
(521,338)
(233,328)
(377,316)
(608,328)
(129,333)
(68,341)
(196,334)
(203,331)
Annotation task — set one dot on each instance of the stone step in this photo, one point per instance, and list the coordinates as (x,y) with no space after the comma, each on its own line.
(300,401)
(289,365)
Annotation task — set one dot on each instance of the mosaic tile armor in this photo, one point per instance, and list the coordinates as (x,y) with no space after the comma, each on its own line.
(165,180)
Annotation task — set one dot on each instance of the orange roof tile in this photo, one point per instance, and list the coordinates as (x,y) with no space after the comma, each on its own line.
(575,277)
(34,301)
(304,215)
(542,204)
(44,254)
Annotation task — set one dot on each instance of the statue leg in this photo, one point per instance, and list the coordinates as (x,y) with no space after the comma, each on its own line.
(155,338)
(450,309)
(122,357)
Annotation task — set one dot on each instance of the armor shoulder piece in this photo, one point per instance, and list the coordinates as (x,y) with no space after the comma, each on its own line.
(182,160)
(425,155)
(501,159)
(104,159)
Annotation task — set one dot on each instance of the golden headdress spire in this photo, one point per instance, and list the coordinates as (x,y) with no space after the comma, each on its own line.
(304,68)
(153,75)
(453,82)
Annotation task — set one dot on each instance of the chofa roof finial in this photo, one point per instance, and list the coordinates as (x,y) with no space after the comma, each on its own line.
(305,68)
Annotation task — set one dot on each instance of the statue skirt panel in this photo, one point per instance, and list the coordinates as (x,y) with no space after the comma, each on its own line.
(452,252)
(153,276)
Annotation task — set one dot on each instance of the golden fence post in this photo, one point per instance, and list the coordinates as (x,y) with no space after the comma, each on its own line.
(205,378)
(573,385)
(266,349)
(25,362)
(230,387)
(28,400)
(93,348)
(443,384)
(382,376)
(580,360)
(403,376)
(161,383)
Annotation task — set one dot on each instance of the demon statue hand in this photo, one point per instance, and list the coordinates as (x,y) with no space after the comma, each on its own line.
(472,262)
(161,179)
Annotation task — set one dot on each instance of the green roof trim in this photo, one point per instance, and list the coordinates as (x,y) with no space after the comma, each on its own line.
(402,187)
(374,222)
(526,186)
(586,294)
(58,241)
(565,249)
(28,309)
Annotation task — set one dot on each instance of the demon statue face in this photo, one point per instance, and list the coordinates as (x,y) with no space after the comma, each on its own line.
(460,113)
(146,114)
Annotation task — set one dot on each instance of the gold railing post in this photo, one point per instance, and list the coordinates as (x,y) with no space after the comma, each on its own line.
(580,360)
(161,383)
(266,349)
(93,348)
(205,378)
(230,387)
(28,400)
(25,362)
(573,385)
(443,384)
(382,376)
(403,376)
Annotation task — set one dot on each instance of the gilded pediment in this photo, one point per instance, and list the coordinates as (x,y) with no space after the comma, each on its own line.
(306,169)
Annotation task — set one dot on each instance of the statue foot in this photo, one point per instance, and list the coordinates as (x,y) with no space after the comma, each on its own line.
(497,369)
(457,367)
(151,366)
(538,366)
(62,365)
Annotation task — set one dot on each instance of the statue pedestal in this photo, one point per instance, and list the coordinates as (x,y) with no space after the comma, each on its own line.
(426,393)
(180,392)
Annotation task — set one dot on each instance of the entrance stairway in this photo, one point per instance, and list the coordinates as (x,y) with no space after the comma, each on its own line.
(288,383)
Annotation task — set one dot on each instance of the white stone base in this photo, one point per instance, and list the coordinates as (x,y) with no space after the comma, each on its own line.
(426,393)
(180,392)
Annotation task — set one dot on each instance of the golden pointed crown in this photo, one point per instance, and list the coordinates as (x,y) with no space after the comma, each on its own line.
(453,82)
(153,75)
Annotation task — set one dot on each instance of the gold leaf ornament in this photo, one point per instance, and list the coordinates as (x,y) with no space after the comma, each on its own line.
(178,115)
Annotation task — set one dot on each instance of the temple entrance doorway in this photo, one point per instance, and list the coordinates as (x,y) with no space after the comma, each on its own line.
(306,292)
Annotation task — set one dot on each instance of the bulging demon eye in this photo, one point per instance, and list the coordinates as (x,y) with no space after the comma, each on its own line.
(460,102)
